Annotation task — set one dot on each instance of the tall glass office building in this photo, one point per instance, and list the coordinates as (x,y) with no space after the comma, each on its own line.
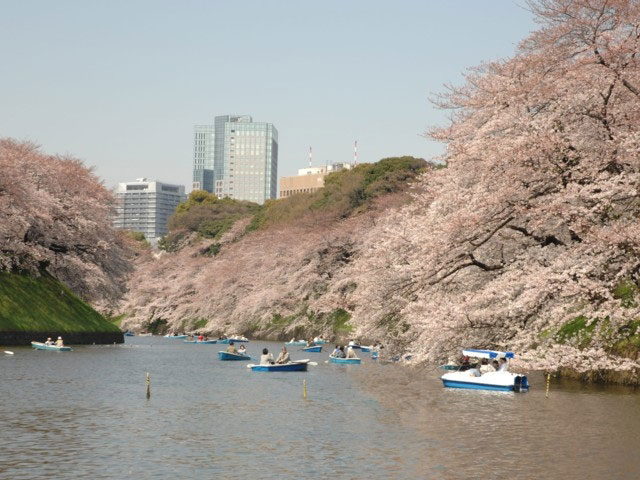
(203,154)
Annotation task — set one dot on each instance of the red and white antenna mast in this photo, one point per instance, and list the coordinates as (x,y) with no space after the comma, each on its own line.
(310,155)
(355,153)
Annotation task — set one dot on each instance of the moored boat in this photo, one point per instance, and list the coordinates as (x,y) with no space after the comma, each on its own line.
(181,337)
(43,346)
(232,356)
(347,361)
(496,380)
(129,334)
(296,343)
(297,366)
(313,349)
(209,342)
(238,339)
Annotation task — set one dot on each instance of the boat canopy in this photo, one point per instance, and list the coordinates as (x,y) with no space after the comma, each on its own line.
(487,354)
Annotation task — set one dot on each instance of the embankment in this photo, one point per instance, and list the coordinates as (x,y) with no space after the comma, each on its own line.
(34,308)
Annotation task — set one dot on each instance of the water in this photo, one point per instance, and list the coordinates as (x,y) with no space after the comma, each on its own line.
(84,415)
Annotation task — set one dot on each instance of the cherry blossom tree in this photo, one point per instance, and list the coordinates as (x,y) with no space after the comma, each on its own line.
(55,216)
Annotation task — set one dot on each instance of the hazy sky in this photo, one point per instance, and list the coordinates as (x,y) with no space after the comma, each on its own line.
(120,84)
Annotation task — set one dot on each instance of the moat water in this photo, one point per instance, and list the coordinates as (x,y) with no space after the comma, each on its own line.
(84,414)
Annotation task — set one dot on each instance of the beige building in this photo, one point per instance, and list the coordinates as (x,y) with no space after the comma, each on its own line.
(308,180)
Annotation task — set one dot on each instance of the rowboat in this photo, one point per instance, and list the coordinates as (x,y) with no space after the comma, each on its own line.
(129,334)
(314,349)
(296,343)
(500,380)
(297,366)
(232,356)
(145,334)
(366,349)
(353,344)
(182,337)
(238,339)
(347,361)
(42,346)
(210,342)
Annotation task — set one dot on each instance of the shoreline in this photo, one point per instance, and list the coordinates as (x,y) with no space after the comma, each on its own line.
(70,338)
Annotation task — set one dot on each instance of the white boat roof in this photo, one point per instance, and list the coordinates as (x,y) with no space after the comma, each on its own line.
(487,353)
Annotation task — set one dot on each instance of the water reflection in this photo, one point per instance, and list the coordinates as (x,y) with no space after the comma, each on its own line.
(84,415)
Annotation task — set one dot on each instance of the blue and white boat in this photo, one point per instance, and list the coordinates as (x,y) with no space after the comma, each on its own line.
(500,380)
(366,349)
(209,342)
(129,334)
(353,344)
(296,343)
(232,356)
(347,361)
(313,349)
(238,339)
(297,366)
(181,337)
(44,346)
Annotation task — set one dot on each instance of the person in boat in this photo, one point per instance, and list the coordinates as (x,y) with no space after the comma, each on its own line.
(338,352)
(49,341)
(201,338)
(504,365)
(232,348)
(59,342)
(485,367)
(283,357)
(311,343)
(242,350)
(465,364)
(495,365)
(351,353)
(266,358)
(474,370)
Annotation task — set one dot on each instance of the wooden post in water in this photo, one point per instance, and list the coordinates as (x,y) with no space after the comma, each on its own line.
(548,382)
(304,388)
(148,386)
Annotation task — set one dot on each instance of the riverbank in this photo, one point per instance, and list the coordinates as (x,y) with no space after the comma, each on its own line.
(34,308)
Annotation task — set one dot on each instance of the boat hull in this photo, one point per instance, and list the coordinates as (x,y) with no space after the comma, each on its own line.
(497,381)
(129,334)
(365,349)
(314,349)
(286,367)
(42,346)
(181,337)
(208,342)
(232,356)
(296,344)
(345,361)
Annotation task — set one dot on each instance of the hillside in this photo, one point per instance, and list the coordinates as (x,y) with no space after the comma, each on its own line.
(36,307)
(267,272)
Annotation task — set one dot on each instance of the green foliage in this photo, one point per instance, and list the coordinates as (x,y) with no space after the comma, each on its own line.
(116,320)
(339,321)
(43,304)
(201,323)
(213,250)
(626,292)
(629,346)
(577,329)
(345,193)
(208,215)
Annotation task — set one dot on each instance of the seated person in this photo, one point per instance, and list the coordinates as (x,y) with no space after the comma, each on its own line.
(242,350)
(340,352)
(485,367)
(495,365)
(49,341)
(473,371)
(266,358)
(59,342)
(283,357)
(231,348)
(351,353)
(504,365)
(311,343)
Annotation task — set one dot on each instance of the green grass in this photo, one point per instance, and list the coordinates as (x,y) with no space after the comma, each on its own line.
(33,304)
(339,319)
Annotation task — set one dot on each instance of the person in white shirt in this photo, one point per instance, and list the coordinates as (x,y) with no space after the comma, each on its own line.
(266,358)
(283,357)
(351,353)
(504,365)
(485,367)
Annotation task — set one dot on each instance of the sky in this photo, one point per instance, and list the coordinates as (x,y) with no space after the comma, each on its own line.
(120,84)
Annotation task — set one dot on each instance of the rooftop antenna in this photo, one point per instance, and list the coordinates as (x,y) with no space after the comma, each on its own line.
(355,153)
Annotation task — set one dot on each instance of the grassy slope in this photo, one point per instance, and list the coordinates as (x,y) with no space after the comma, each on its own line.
(43,304)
